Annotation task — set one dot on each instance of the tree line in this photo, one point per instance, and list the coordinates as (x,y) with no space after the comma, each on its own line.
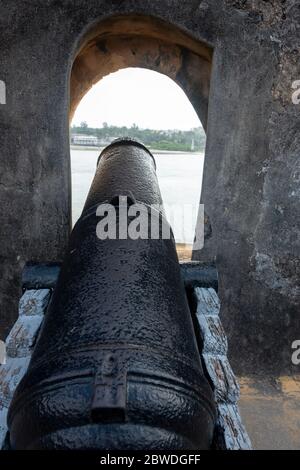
(173,140)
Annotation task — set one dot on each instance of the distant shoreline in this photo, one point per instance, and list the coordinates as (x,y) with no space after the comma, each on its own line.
(158,152)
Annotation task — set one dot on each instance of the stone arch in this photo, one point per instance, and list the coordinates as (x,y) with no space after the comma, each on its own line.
(137,41)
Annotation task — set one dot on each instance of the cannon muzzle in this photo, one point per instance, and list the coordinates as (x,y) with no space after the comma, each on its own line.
(116,365)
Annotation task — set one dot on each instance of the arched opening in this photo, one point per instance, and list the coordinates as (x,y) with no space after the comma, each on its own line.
(152,108)
(143,42)
(137,41)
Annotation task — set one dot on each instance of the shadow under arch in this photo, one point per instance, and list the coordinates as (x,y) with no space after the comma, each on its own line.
(146,42)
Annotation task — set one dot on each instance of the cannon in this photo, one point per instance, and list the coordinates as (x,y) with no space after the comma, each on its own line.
(116,364)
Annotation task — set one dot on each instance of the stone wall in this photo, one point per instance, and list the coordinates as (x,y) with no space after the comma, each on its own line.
(251,175)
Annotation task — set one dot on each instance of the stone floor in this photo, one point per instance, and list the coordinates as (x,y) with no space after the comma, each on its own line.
(270,409)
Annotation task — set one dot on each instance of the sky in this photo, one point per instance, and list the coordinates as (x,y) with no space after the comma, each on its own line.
(137,96)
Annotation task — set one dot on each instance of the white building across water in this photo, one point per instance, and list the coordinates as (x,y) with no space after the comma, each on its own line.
(79,139)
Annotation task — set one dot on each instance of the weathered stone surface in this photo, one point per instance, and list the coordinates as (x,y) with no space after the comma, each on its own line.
(253,161)
(214,338)
(182,61)
(207,301)
(251,175)
(10,375)
(3,426)
(19,347)
(23,335)
(226,388)
(231,434)
(34,302)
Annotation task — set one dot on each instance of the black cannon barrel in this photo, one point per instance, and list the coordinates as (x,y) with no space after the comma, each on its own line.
(116,364)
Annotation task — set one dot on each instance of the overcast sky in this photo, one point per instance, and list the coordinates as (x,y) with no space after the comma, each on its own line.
(148,99)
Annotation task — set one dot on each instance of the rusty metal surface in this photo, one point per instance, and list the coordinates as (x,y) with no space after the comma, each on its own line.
(116,365)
